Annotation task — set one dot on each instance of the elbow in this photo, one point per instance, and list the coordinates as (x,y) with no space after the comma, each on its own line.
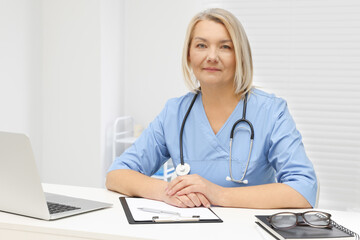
(294,199)
(109,183)
(115,181)
(303,203)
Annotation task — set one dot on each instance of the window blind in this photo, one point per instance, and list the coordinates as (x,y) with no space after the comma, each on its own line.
(308,52)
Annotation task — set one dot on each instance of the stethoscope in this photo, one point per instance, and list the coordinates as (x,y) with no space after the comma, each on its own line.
(184,168)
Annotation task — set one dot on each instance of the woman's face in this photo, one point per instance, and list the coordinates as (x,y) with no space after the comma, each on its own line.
(212,54)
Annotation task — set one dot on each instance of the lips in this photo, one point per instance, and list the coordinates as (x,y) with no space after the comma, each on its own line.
(211,69)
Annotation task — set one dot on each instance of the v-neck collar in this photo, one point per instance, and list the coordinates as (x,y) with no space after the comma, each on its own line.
(217,138)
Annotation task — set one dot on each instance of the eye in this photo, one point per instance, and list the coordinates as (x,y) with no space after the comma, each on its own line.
(200,45)
(225,47)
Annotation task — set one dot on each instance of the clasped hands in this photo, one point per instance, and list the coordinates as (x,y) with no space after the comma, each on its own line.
(191,191)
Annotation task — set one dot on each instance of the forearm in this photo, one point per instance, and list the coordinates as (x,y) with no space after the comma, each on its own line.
(132,183)
(275,195)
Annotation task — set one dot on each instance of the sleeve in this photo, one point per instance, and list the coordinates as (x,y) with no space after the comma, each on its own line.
(149,152)
(287,154)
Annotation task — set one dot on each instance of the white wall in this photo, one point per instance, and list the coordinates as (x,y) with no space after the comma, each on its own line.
(20,69)
(71,92)
(154,36)
(81,91)
(112,73)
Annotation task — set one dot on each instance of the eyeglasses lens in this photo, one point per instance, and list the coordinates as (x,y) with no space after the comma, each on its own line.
(284,220)
(317,218)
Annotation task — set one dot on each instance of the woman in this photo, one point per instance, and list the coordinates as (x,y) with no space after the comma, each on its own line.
(271,172)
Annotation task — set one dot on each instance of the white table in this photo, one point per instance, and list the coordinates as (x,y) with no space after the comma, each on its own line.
(112,223)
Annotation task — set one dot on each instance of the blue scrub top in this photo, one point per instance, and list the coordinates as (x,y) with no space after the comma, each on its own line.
(278,154)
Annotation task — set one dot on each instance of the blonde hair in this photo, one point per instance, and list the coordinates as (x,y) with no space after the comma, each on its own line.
(244,66)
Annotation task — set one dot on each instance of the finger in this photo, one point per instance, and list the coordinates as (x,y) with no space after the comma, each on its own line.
(179,203)
(194,185)
(195,199)
(179,186)
(192,190)
(186,201)
(189,189)
(172,183)
(204,201)
(174,201)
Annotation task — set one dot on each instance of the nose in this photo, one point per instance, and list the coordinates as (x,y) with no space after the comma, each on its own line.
(212,56)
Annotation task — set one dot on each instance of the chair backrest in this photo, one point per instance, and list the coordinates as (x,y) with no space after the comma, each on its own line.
(317,193)
(123,135)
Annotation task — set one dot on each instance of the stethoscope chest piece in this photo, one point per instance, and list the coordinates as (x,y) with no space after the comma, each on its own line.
(182,170)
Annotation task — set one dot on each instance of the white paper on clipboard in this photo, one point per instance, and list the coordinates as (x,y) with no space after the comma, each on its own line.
(140,215)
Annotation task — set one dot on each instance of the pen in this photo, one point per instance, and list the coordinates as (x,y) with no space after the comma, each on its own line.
(153,210)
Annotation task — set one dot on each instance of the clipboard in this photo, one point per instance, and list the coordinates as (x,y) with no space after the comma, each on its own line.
(130,204)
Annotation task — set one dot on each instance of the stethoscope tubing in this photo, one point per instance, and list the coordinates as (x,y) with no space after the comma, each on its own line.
(247,163)
(243,119)
(182,128)
(239,121)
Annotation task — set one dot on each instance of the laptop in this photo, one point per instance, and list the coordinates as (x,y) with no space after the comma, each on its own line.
(20,186)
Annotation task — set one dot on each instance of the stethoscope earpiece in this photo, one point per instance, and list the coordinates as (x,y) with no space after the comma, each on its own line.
(237,181)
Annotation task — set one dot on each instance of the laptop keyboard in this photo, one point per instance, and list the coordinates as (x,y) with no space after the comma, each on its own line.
(59,208)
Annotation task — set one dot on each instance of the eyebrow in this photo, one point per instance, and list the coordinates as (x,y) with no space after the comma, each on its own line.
(203,39)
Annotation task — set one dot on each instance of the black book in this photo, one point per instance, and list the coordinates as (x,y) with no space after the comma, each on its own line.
(305,232)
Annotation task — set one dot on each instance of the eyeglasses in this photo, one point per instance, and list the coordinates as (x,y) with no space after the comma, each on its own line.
(285,220)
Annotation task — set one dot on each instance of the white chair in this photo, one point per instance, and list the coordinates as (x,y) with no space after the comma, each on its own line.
(123,135)
(317,193)
(166,172)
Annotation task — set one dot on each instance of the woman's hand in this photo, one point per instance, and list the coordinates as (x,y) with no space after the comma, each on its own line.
(187,200)
(193,184)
